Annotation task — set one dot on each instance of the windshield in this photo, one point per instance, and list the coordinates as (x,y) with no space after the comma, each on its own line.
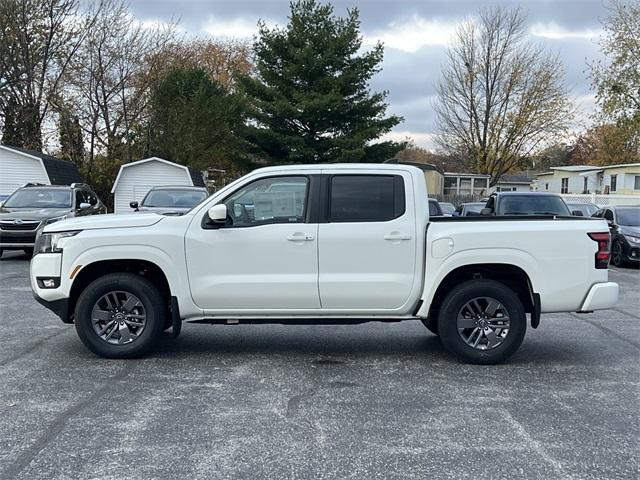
(473,208)
(587,209)
(174,198)
(447,208)
(628,216)
(39,198)
(532,205)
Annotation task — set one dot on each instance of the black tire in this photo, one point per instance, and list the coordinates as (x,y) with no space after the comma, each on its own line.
(458,298)
(431,324)
(617,254)
(150,299)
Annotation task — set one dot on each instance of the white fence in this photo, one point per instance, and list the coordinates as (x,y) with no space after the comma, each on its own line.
(602,200)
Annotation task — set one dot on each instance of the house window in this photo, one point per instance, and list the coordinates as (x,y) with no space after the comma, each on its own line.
(585,189)
(450,185)
(546,186)
(636,182)
(614,183)
(564,188)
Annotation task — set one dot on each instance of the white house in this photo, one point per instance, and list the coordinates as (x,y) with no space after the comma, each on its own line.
(19,166)
(580,179)
(135,179)
(518,182)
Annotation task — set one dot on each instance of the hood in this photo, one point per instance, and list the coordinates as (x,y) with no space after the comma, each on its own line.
(112,220)
(31,214)
(165,210)
(630,230)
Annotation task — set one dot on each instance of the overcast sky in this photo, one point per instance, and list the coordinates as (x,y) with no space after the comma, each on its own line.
(415,35)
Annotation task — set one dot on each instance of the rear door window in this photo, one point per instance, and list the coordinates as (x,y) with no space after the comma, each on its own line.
(366,198)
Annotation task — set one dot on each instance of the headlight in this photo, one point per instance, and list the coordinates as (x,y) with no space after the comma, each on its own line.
(55,219)
(52,242)
(632,240)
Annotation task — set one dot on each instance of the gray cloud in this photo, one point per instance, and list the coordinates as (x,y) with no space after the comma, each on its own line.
(409,76)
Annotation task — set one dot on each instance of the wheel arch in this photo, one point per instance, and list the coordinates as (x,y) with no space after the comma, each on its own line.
(144,268)
(510,275)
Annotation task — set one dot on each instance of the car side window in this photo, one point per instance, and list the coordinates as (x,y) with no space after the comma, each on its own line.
(608,215)
(366,198)
(92,199)
(269,200)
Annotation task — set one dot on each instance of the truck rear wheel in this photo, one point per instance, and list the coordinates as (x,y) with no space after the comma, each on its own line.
(120,315)
(482,322)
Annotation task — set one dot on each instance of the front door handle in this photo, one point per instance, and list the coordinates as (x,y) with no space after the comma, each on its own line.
(300,237)
(396,236)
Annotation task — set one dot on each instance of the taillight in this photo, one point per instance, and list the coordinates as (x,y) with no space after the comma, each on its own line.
(602,255)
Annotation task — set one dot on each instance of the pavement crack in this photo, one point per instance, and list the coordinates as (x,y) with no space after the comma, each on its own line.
(25,458)
(607,330)
(624,312)
(536,446)
(293,404)
(34,346)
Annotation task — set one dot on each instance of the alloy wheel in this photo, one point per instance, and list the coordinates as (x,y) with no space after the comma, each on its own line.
(483,323)
(118,317)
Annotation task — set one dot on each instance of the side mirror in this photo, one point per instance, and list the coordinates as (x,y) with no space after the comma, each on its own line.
(577,213)
(84,206)
(485,212)
(134,205)
(218,213)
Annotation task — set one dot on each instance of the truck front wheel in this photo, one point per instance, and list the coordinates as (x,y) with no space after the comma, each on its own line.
(482,322)
(120,315)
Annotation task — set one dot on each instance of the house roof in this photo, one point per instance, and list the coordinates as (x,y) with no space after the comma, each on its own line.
(60,172)
(576,168)
(523,178)
(194,175)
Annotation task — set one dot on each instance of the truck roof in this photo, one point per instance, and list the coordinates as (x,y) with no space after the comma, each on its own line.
(341,166)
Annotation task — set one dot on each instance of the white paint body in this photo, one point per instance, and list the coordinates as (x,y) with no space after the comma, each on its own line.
(312,270)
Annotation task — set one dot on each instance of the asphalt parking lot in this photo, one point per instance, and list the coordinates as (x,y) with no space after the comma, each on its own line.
(366,401)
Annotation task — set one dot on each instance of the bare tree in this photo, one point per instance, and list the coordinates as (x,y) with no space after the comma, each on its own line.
(38,39)
(110,77)
(500,97)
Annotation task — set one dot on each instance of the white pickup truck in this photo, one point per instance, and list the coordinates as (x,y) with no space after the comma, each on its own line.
(320,244)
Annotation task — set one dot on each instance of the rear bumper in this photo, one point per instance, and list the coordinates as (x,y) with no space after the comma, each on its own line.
(601,296)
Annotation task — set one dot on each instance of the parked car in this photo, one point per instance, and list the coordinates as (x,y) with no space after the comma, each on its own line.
(31,207)
(624,223)
(357,251)
(434,208)
(469,209)
(525,203)
(587,209)
(447,208)
(171,199)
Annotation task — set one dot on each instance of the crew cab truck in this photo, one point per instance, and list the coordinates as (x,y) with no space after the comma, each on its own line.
(341,244)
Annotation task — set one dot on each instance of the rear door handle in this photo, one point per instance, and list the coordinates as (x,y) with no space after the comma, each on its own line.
(300,237)
(395,236)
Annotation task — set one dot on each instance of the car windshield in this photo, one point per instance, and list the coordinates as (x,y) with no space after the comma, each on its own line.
(587,209)
(628,216)
(39,198)
(174,198)
(532,205)
(473,207)
(447,208)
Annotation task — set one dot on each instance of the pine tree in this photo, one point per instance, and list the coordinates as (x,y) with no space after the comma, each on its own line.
(310,100)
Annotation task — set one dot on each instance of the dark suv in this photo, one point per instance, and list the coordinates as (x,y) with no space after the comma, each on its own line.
(31,207)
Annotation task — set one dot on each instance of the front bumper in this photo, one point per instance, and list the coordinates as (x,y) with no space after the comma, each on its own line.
(17,239)
(59,307)
(601,296)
